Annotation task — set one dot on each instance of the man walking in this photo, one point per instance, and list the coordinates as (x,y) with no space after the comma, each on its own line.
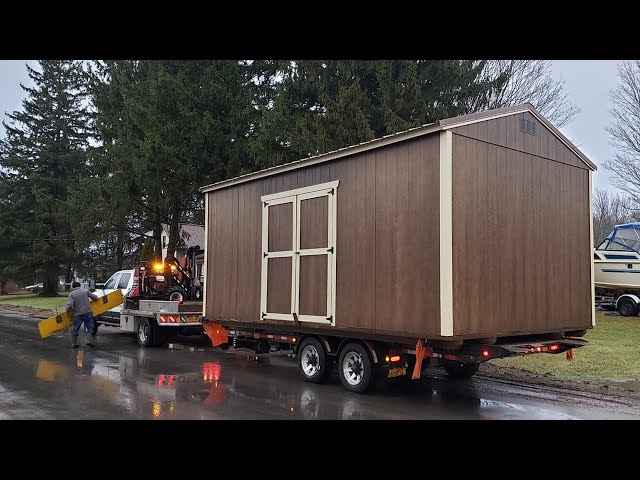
(78,303)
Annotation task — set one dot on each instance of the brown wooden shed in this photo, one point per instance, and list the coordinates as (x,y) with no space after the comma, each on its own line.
(469,227)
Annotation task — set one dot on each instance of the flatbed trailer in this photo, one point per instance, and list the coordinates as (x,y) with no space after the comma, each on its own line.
(362,360)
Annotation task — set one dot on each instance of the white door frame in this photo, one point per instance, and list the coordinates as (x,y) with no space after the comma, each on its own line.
(296,196)
(266,255)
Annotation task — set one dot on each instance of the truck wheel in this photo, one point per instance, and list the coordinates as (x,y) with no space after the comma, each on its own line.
(313,362)
(462,370)
(146,332)
(355,368)
(174,294)
(627,307)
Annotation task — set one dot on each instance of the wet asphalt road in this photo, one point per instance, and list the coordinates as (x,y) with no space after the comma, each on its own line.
(44,379)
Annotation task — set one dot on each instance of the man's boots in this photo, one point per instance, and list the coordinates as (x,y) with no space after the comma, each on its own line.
(91,340)
(74,341)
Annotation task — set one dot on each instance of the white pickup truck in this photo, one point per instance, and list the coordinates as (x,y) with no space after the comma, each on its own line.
(122,279)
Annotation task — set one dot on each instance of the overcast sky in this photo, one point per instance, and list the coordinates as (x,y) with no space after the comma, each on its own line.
(588,83)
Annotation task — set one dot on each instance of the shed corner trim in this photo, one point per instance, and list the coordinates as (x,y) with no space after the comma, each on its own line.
(446,233)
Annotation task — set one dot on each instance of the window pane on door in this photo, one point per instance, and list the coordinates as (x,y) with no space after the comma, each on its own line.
(112,282)
(313,222)
(313,285)
(281,227)
(124,280)
(279,285)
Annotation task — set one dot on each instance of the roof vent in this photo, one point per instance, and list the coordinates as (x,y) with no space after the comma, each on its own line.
(527,126)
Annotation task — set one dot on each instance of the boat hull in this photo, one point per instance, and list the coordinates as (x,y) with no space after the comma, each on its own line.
(622,274)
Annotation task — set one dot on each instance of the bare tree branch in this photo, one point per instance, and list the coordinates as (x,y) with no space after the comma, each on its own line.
(610,210)
(625,130)
(526,81)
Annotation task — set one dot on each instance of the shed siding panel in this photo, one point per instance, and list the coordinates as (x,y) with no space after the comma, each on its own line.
(387,251)
(518,258)
(543,144)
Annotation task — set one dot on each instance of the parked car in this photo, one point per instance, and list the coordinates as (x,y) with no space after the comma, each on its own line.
(37,286)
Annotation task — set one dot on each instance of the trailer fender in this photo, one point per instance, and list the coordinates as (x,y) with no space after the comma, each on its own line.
(322,339)
(365,343)
(633,297)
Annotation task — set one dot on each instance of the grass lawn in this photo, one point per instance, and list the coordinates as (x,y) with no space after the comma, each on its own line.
(32,300)
(613,354)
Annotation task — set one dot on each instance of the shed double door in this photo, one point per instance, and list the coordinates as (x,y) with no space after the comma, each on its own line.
(298,249)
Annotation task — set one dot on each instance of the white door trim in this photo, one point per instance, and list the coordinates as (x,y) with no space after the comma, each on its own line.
(266,255)
(300,191)
(329,190)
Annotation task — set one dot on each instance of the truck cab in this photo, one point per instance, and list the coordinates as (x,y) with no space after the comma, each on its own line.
(123,280)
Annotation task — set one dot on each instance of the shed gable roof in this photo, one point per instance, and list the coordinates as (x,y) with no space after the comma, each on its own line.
(445,124)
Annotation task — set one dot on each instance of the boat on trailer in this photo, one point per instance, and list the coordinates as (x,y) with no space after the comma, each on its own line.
(617,259)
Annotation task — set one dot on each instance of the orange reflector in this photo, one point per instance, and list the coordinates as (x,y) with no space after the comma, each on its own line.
(294,339)
(485,353)
(554,347)
(386,359)
(395,358)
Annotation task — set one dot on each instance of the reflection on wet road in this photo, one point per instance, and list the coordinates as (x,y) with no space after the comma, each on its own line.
(44,379)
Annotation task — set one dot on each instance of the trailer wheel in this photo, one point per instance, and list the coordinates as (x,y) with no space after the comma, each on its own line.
(462,370)
(355,368)
(313,362)
(174,294)
(146,332)
(627,307)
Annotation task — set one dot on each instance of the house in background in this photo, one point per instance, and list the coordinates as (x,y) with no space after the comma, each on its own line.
(191,236)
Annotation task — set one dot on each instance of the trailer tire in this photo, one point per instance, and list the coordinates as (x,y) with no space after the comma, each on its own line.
(174,294)
(627,307)
(462,370)
(313,362)
(355,368)
(146,332)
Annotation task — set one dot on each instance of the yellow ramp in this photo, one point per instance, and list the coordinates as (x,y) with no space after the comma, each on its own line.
(65,320)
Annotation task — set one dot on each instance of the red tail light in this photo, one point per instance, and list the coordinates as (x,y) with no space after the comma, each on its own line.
(485,353)
(554,347)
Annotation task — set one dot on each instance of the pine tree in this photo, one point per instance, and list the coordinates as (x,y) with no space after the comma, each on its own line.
(323,105)
(170,127)
(43,157)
